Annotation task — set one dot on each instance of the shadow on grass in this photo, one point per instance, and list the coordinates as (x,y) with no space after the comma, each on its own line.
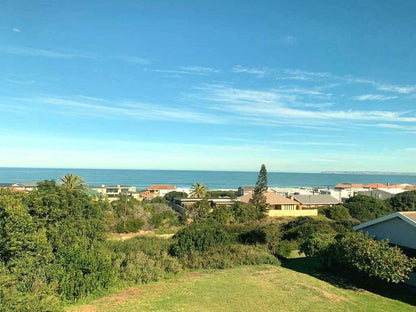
(351,280)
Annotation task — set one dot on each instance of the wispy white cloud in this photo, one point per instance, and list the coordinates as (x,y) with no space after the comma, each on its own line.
(17,30)
(96,107)
(410,129)
(253,71)
(187,70)
(27,51)
(135,59)
(199,69)
(397,89)
(374,97)
(270,106)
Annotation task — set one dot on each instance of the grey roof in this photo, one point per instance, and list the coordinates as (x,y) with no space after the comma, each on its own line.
(6,184)
(318,199)
(407,216)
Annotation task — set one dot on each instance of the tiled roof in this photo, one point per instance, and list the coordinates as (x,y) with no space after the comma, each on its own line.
(161,187)
(271,198)
(375,185)
(349,185)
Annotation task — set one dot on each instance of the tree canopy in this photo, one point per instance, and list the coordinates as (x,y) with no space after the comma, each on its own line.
(73,182)
(198,190)
(259,198)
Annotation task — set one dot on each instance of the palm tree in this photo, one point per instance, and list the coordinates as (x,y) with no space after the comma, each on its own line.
(73,182)
(198,190)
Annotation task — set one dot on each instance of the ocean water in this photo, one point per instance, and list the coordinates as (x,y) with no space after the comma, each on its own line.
(212,179)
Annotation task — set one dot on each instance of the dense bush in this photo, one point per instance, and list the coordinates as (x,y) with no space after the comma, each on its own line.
(142,259)
(198,237)
(223,214)
(13,299)
(404,201)
(339,213)
(365,208)
(374,258)
(174,194)
(302,228)
(360,252)
(222,194)
(268,235)
(244,213)
(320,246)
(130,215)
(51,245)
(228,256)
(129,225)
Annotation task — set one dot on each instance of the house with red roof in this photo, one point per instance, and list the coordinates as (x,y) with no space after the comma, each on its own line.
(160,189)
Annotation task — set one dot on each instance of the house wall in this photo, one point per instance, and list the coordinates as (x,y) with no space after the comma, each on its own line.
(378,194)
(293,213)
(395,230)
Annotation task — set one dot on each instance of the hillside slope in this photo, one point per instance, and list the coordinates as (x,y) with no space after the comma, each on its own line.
(258,288)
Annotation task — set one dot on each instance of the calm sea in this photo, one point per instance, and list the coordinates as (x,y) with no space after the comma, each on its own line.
(213,179)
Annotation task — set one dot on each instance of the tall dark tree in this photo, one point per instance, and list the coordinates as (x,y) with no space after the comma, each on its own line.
(259,197)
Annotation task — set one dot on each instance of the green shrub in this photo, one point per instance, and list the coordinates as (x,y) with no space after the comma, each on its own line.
(405,201)
(174,194)
(303,227)
(269,235)
(198,237)
(339,213)
(237,229)
(246,213)
(320,246)
(143,259)
(130,225)
(375,258)
(285,248)
(228,256)
(360,252)
(365,208)
(223,215)
(41,298)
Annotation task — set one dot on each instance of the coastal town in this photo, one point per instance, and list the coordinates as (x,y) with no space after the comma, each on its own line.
(282,201)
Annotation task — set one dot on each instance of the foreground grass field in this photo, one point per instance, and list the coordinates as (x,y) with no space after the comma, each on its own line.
(259,288)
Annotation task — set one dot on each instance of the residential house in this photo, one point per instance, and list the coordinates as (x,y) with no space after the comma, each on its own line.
(160,189)
(280,206)
(398,228)
(382,193)
(25,186)
(113,192)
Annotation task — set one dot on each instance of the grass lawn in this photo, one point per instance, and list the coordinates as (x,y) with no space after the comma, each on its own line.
(256,288)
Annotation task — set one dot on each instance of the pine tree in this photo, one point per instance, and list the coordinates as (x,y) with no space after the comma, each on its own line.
(259,198)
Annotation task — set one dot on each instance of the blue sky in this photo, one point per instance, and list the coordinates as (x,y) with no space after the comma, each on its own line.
(214,85)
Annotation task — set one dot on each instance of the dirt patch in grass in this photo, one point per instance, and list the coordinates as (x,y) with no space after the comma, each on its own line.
(198,274)
(326,294)
(125,236)
(122,297)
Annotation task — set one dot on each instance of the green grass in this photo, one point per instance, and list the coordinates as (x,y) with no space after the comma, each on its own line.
(256,288)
